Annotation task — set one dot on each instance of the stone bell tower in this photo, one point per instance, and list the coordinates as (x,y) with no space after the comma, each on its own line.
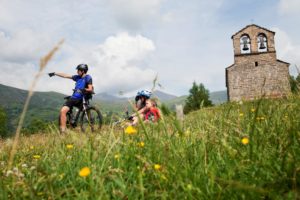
(256,72)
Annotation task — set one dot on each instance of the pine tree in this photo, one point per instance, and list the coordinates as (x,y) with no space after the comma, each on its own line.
(199,97)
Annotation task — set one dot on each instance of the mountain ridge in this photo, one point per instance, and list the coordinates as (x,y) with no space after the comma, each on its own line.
(46,105)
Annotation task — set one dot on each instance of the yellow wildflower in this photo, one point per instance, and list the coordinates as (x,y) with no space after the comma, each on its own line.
(36,156)
(241,114)
(117,156)
(157,167)
(84,172)
(141,144)
(189,186)
(252,109)
(163,177)
(130,130)
(61,176)
(187,132)
(40,193)
(260,118)
(245,140)
(31,147)
(69,146)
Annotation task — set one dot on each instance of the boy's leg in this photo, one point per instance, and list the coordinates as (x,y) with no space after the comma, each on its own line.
(63,118)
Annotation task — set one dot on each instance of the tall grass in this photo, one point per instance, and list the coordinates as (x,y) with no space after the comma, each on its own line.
(202,158)
(43,63)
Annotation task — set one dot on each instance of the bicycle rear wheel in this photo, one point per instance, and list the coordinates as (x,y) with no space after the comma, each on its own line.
(91,120)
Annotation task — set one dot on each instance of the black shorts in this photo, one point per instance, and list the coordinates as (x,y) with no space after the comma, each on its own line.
(73,102)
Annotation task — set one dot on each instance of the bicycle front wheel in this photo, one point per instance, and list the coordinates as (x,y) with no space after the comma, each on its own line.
(91,120)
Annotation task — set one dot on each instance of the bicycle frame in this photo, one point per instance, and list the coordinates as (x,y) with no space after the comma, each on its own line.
(83,108)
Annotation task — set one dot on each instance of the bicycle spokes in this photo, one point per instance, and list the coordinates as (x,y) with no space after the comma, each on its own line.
(91,120)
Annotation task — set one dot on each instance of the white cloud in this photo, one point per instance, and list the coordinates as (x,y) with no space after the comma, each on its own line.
(287,50)
(132,14)
(73,19)
(289,7)
(23,46)
(192,40)
(16,74)
(117,64)
(168,17)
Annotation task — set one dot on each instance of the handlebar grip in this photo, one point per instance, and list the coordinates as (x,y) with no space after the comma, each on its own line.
(51,74)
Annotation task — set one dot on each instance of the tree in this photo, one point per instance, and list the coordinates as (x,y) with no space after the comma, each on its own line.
(295,84)
(35,126)
(199,97)
(3,123)
(164,109)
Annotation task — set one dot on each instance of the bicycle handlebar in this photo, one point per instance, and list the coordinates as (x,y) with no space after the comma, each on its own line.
(83,91)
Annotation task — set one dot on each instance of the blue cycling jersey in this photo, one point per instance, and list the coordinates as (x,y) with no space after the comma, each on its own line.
(81,83)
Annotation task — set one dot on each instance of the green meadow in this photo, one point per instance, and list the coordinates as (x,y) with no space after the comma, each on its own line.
(245,150)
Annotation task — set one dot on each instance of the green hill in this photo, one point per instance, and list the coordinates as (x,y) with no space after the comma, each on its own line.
(43,105)
(46,105)
(217,98)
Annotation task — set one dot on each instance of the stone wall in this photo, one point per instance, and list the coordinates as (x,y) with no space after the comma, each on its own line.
(248,82)
(261,58)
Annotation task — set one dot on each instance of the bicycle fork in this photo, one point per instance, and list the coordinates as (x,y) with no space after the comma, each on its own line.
(85,112)
(84,109)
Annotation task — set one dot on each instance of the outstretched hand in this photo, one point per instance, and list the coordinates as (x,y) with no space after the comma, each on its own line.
(51,74)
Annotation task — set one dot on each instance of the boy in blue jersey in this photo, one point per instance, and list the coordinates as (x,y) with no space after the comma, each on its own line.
(84,85)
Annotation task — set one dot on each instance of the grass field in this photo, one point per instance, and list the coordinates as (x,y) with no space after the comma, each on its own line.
(232,151)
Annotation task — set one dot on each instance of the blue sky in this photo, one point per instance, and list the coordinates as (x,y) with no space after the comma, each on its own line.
(127,43)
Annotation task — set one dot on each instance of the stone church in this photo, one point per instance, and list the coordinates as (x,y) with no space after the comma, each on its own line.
(256,72)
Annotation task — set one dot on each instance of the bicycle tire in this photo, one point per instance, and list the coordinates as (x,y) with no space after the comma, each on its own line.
(91,120)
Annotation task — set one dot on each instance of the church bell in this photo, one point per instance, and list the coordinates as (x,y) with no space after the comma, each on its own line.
(261,43)
(245,43)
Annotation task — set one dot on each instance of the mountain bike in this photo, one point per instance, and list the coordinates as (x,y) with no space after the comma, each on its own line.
(123,121)
(88,117)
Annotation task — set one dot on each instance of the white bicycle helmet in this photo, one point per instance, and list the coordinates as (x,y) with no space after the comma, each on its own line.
(143,93)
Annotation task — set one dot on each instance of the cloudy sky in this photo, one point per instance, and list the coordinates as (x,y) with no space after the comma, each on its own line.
(127,43)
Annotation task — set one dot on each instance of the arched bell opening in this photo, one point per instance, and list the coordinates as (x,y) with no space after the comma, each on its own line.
(245,44)
(262,43)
